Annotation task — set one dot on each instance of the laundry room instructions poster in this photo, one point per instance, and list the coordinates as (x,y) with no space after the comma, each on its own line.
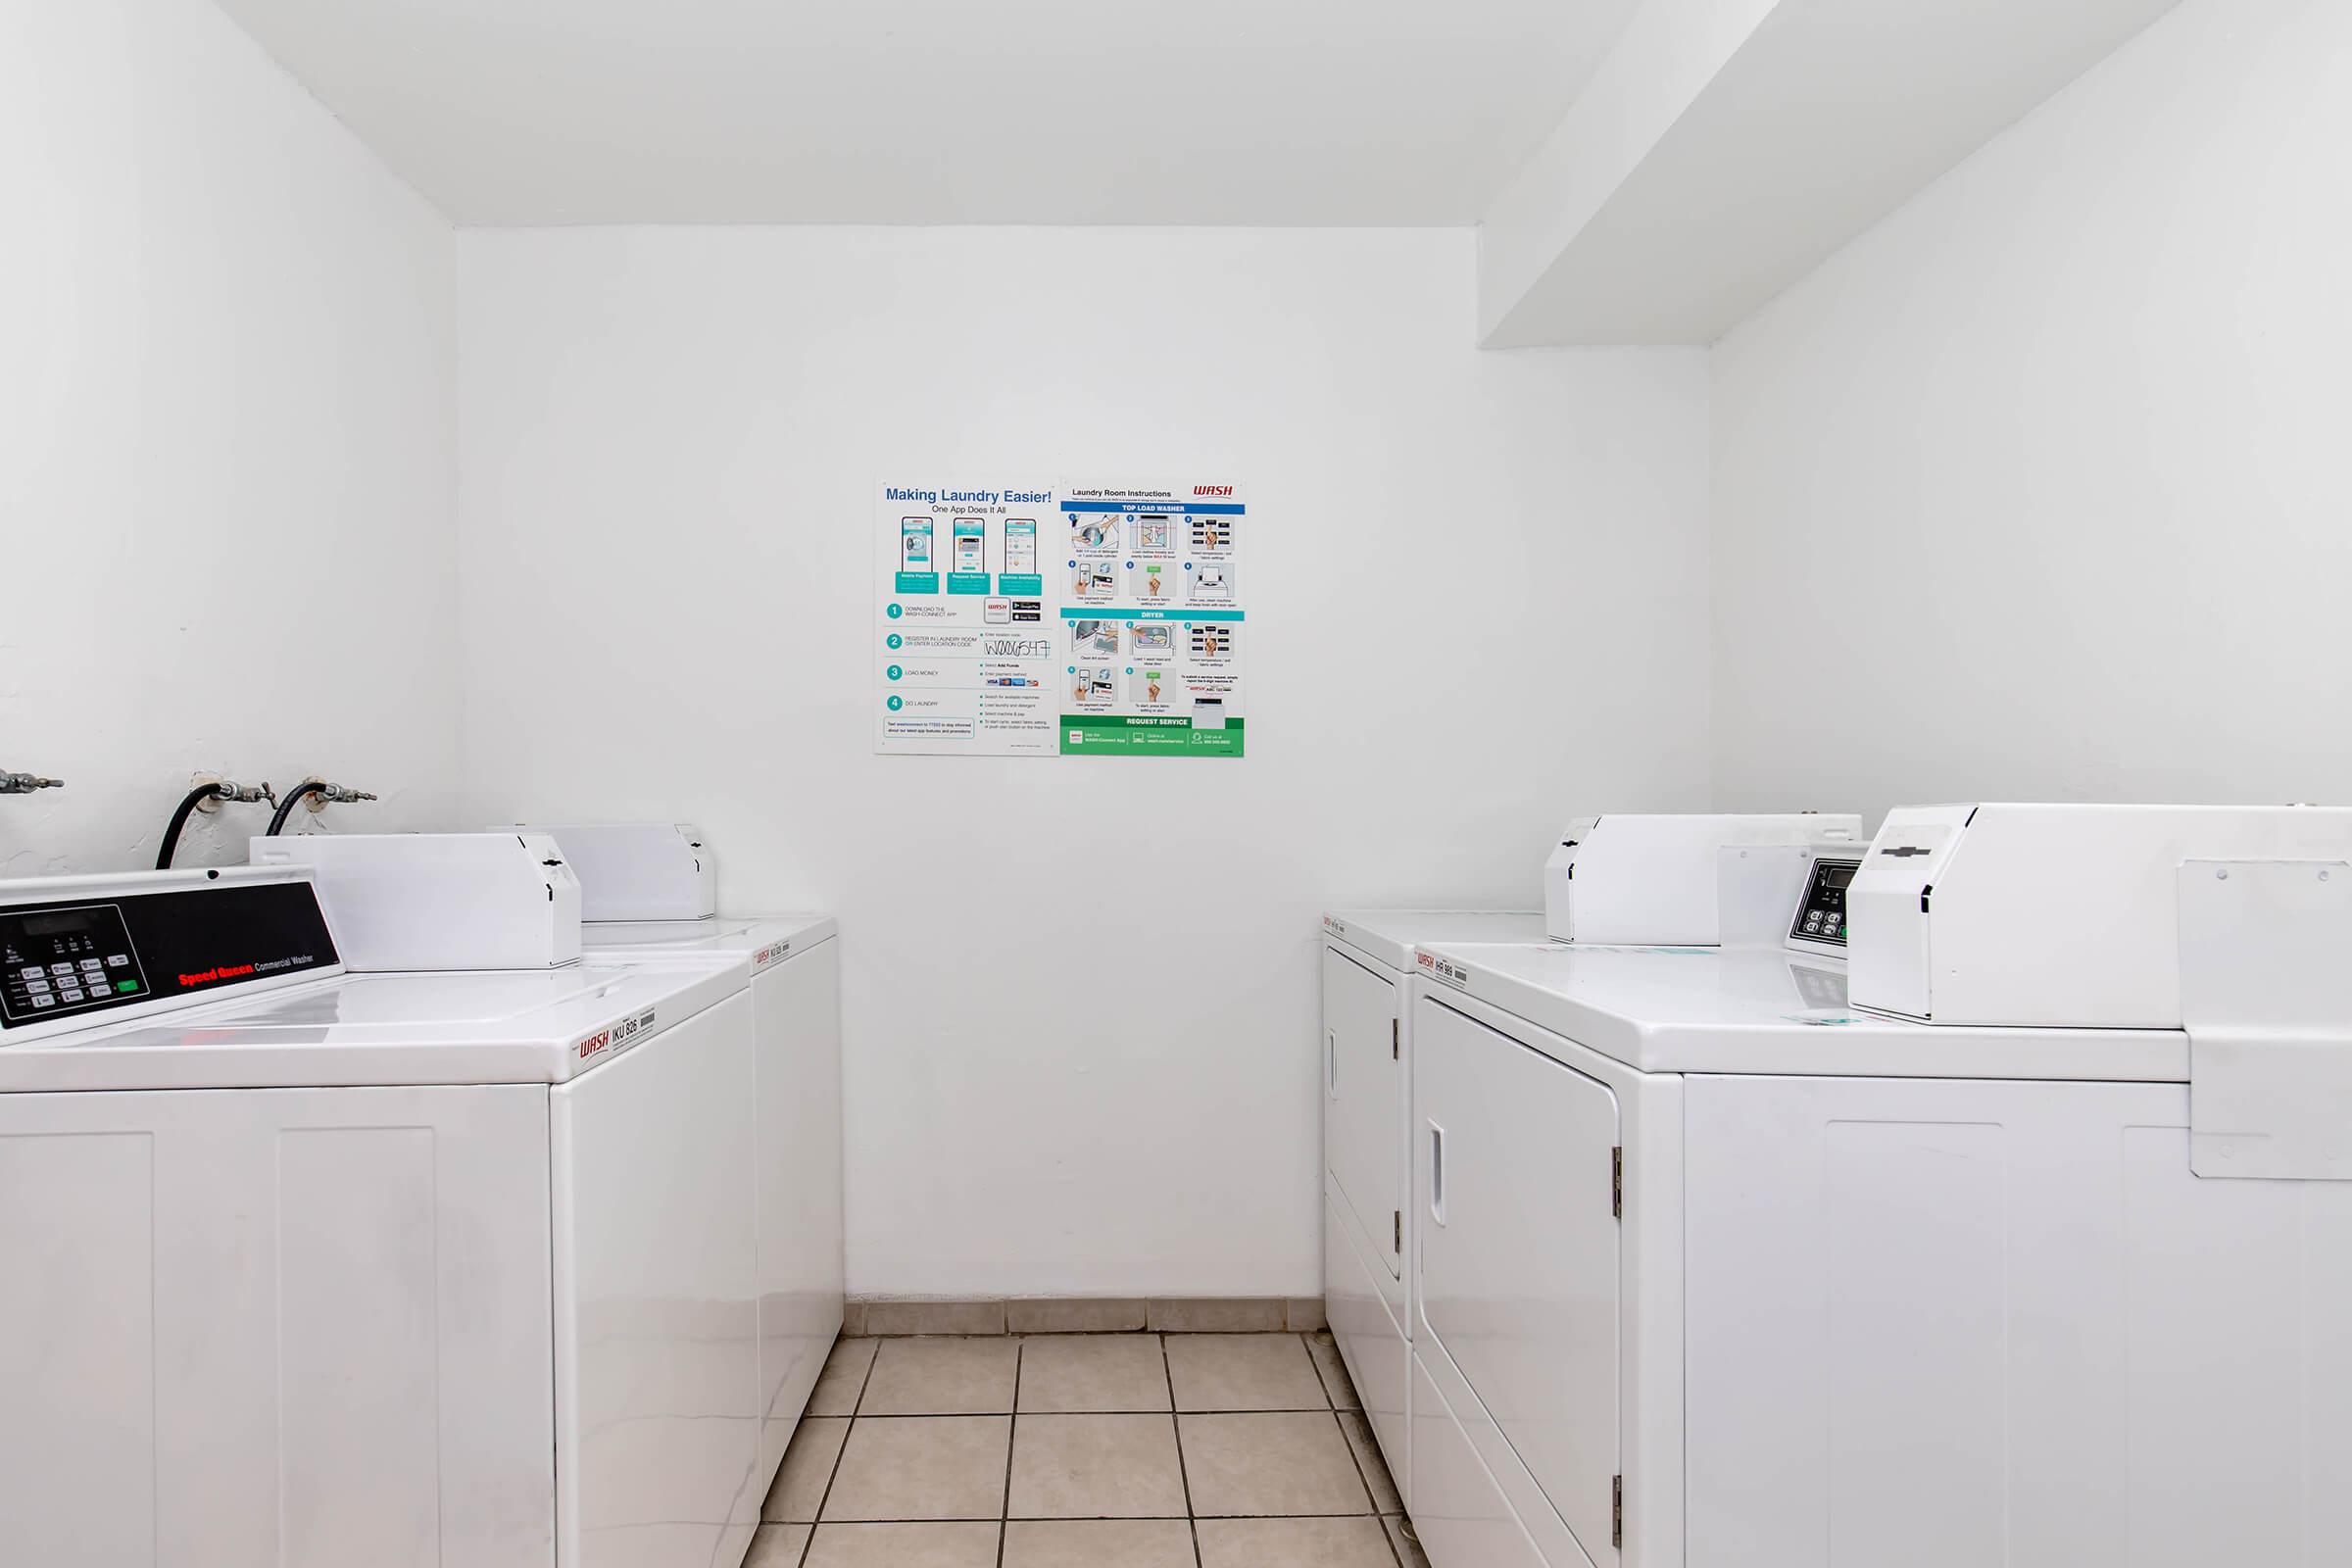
(1152,613)
(1079,619)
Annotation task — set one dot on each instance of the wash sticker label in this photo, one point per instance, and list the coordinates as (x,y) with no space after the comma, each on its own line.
(1446,969)
(614,1037)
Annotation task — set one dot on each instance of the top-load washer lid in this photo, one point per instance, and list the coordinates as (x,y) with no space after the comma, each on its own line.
(1390,936)
(763,939)
(1749,1010)
(490,1027)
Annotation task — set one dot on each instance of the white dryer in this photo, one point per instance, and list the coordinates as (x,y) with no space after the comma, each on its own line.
(1367,986)
(314,1267)
(1715,1270)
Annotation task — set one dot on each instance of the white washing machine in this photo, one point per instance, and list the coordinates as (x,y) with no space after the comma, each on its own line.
(1713,1269)
(794,972)
(314,1267)
(1368,983)
(651,892)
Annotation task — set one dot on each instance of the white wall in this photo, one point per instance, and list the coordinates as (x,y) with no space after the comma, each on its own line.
(226,455)
(2039,490)
(1080,995)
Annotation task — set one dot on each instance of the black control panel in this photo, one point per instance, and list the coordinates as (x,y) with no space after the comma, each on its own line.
(1821,913)
(81,956)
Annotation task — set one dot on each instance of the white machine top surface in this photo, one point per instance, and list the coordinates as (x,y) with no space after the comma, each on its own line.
(358,1030)
(765,939)
(1390,936)
(1767,1010)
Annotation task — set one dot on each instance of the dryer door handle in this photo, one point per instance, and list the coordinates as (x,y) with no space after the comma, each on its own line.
(1330,1063)
(1436,1173)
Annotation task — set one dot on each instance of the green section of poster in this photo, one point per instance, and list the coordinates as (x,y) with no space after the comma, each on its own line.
(1126,735)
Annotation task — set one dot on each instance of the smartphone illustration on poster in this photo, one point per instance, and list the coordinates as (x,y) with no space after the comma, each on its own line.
(1020,546)
(914,543)
(972,547)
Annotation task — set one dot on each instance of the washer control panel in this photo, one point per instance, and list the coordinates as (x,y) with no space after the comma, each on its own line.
(1821,913)
(62,958)
(61,961)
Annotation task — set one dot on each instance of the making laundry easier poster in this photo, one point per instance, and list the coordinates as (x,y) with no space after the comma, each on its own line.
(1151,617)
(1090,620)
(965,629)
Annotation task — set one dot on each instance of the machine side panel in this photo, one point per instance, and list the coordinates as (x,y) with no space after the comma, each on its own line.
(797,1005)
(1363,1100)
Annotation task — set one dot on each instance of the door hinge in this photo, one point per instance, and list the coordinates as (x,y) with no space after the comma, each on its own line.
(1395,1040)
(1617,1181)
(1616,1510)
(1398,1217)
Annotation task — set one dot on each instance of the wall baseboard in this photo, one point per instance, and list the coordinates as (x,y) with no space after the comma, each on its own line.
(1082,1314)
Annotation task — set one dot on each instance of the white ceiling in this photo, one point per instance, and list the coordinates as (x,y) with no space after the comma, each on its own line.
(1274,111)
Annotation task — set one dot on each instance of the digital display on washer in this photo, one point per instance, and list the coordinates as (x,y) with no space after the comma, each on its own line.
(1821,913)
(67,958)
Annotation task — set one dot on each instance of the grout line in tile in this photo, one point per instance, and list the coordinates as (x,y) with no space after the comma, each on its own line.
(1341,1417)
(1013,1433)
(973,1415)
(839,1453)
(1365,1481)
(1192,1520)
(1330,1395)
(1081,1518)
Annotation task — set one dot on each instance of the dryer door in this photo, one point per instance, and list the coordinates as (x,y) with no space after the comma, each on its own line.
(1514,1182)
(1364,1100)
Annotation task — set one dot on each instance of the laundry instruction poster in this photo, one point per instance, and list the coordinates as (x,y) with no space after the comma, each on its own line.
(966,624)
(1026,619)
(1151,618)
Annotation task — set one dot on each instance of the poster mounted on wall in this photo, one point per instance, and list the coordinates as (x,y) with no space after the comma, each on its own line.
(964,631)
(1091,619)
(1153,618)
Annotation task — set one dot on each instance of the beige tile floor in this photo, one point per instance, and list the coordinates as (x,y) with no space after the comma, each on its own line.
(1085,1451)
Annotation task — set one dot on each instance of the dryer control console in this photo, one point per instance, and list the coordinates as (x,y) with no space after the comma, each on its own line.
(1820,919)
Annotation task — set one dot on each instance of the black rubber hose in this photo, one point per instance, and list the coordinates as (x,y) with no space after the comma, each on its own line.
(285,808)
(179,819)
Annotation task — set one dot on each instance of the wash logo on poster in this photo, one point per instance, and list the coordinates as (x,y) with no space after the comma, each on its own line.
(1018,619)
(1152,613)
